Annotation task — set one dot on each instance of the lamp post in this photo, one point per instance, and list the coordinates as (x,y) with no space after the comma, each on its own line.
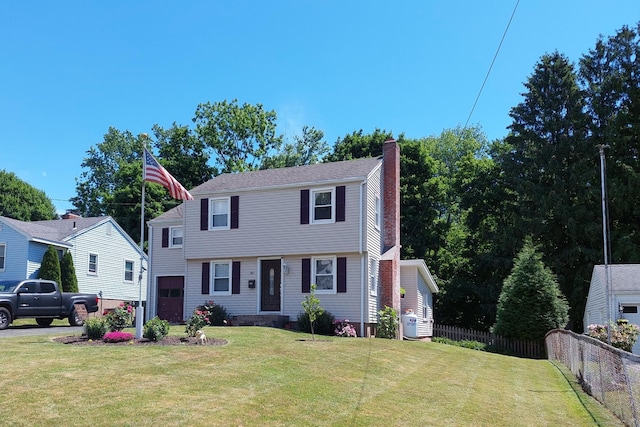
(605,237)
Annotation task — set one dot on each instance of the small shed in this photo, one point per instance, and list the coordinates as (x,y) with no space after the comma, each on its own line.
(624,296)
(419,287)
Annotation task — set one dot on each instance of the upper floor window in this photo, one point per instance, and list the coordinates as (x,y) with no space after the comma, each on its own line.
(324,275)
(128,271)
(322,202)
(219,214)
(176,237)
(3,249)
(378,213)
(93,264)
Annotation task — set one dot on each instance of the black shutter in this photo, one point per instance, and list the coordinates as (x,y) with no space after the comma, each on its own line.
(340,203)
(235,277)
(234,211)
(205,278)
(165,237)
(342,275)
(306,275)
(304,206)
(204,214)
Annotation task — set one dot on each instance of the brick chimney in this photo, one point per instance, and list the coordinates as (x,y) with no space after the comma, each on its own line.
(389,275)
(71,215)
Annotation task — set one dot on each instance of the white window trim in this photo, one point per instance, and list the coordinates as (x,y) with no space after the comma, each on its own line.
(312,205)
(373,278)
(177,227)
(335,274)
(378,213)
(133,270)
(92,273)
(4,257)
(211,202)
(212,272)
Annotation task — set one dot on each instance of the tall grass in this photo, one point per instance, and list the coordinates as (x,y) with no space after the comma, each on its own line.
(270,377)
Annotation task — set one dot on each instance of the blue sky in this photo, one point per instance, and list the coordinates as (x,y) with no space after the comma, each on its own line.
(71,69)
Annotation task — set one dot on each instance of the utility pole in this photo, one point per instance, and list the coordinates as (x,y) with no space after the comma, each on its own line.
(605,237)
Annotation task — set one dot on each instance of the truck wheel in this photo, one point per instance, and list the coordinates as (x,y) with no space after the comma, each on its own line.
(5,318)
(75,319)
(44,321)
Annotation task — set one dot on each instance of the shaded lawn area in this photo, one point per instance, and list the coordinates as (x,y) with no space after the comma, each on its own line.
(273,377)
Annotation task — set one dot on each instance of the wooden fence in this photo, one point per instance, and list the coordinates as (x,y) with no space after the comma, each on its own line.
(497,343)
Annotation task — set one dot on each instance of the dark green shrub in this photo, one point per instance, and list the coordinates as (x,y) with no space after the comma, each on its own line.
(121,317)
(156,329)
(50,266)
(215,314)
(322,326)
(68,274)
(95,328)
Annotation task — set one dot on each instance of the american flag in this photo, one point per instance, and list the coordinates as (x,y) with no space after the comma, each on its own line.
(154,172)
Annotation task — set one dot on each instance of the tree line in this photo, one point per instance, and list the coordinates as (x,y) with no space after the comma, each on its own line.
(467,204)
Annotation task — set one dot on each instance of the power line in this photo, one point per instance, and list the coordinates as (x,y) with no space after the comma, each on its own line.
(492,62)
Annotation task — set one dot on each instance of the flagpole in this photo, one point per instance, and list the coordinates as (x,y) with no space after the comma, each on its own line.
(139,308)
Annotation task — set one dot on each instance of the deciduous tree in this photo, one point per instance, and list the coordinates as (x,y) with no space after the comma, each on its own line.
(21,201)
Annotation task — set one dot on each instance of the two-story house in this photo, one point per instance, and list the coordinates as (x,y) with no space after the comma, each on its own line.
(105,258)
(255,242)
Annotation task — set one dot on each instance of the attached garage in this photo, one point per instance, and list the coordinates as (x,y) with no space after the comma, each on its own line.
(170,303)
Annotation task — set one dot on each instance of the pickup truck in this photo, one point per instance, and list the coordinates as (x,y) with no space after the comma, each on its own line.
(43,300)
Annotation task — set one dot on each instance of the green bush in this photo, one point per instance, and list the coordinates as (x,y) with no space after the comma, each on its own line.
(156,329)
(215,314)
(95,328)
(322,326)
(387,323)
(120,318)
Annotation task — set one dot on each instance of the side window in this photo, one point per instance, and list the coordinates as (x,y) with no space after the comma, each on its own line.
(378,213)
(29,287)
(47,288)
(3,249)
(128,271)
(176,237)
(219,219)
(93,264)
(373,277)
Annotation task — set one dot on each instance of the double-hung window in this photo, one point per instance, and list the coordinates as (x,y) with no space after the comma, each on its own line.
(378,213)
(3,251)
(221,277)
(324,275)
(93,263)
(128,271)
(175,237)
(219,219)
(322,202)
(373,277)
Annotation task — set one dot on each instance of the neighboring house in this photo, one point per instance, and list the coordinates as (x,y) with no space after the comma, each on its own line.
(254,243)
(624,296)
(106,260)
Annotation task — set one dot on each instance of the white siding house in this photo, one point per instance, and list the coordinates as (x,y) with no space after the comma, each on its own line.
(624,296)
(105,258)
(254,242)
(420,286)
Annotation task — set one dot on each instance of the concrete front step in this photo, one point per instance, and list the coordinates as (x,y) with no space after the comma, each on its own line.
(271,320)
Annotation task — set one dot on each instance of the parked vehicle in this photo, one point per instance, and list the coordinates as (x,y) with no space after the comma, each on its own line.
(42,300)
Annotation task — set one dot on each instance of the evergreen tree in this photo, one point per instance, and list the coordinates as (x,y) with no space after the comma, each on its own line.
(530,303)
(50,266)
(68,274)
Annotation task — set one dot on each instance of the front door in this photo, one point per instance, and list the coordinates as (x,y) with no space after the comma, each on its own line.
(170,298)
(270,285)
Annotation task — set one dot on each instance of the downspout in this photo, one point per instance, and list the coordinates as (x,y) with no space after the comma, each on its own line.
(360,243)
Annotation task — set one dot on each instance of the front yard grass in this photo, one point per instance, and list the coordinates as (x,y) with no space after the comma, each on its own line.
(273,377)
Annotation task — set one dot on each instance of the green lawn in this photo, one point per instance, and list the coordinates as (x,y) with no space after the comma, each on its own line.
(270,377)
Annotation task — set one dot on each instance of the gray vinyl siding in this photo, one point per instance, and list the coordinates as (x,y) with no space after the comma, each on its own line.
(596,308)
(373,241)
(269,223)
(16,250)
(112,247)
(425,301)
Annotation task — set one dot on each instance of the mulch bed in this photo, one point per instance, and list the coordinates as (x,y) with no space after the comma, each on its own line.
(170,340)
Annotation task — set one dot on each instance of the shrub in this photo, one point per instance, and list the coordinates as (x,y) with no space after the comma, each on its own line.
(198,320)
(117,336)
(95,328)
(387,323)
(623,334)
(322,326)
(50,266)
(312,308)
(344,329)
(120,318)
(215,314)
(156,329)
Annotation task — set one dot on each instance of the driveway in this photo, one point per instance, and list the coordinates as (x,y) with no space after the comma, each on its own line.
(26,330)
